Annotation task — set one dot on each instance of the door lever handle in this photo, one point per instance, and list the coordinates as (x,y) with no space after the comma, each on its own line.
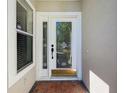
(52,50)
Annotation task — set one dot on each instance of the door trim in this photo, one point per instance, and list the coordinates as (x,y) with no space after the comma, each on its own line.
(79,60)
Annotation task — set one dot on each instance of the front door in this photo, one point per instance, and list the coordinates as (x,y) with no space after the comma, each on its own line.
(62,56)
(63,45)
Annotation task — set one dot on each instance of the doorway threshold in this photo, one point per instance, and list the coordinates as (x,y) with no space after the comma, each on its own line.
(64,78)
(64,73)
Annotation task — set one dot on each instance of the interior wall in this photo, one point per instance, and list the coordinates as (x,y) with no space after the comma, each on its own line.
(100,43)
(57,6)
(24,80)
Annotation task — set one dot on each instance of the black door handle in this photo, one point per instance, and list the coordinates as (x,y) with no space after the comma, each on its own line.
(52,50)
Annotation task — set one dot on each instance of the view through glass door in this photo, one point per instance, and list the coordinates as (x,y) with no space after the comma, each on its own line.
(63,44)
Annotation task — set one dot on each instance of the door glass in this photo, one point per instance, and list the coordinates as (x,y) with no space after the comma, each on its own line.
(63,44)
(44,45)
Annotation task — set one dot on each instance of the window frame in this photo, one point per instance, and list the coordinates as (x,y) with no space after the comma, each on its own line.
(31,63)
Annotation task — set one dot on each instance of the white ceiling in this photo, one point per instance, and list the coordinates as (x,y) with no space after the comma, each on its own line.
(55,0)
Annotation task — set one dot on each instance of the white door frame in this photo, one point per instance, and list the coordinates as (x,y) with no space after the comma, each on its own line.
(40,17)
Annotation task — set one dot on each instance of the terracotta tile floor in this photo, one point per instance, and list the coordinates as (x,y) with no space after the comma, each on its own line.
(58,87)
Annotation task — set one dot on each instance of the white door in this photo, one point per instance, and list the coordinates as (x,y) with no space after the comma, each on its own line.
(62,34)
(63,43)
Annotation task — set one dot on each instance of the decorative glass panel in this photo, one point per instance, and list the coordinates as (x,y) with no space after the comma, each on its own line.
(44,45)
(63,32)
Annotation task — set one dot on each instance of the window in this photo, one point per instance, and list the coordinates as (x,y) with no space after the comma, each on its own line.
(24,25)
(44,45)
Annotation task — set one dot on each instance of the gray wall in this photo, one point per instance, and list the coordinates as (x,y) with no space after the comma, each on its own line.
(99,41)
